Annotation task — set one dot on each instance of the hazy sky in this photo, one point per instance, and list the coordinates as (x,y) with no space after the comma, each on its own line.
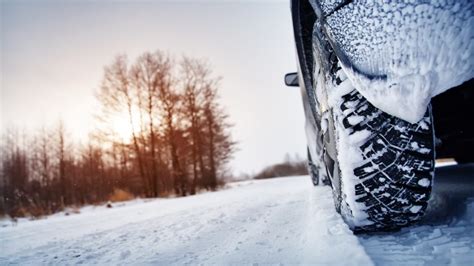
(53,54)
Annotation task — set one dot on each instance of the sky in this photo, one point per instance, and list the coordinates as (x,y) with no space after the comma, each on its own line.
(53,54)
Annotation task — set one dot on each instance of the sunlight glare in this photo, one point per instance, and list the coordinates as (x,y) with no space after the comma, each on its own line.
(121,126)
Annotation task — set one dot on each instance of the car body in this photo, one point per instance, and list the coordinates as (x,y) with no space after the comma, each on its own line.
(453,109)
(411,65)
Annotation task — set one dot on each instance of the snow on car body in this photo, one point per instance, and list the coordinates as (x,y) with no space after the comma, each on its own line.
(368,72)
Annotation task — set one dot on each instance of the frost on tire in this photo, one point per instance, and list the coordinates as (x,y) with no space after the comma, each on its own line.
(318,178)
(386,165)
(312,170)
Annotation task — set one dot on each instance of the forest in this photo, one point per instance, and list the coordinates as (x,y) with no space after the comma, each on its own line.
(160,131)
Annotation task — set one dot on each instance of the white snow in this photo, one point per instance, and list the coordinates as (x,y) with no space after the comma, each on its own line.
(415,208)
(424,182)
(350,159)
(411,51)
(284,220)
(277,221)
(354,120)
(446,235)
(414,145)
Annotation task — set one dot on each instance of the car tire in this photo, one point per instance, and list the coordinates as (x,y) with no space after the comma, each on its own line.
(381,166)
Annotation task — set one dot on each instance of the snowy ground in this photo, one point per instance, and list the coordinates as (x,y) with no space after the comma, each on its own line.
(283,220)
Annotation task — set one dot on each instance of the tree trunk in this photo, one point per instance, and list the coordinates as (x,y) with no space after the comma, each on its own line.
(212,162)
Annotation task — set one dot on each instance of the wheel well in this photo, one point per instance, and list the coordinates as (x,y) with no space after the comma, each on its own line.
(452,113)
(307,20)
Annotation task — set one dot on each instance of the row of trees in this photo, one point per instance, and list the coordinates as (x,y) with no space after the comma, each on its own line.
(160,131)
(289,167)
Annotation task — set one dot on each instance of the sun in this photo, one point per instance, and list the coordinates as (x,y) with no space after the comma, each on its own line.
(122,128)
(121,125)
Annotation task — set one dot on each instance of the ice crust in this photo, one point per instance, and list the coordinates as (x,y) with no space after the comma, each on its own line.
(400,55)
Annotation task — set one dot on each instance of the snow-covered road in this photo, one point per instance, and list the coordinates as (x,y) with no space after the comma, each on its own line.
(283,220)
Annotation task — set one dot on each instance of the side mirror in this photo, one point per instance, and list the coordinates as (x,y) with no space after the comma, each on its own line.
(291,80)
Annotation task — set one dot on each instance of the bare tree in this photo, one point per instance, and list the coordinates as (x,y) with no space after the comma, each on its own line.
(151,74)
(42,166)
(15,172)
(116,95)
(170,104)
(61,159)
(195,75)
(219,142)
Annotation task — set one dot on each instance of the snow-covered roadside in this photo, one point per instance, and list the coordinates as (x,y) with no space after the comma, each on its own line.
(72,211)
(99,208)
(282,220)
